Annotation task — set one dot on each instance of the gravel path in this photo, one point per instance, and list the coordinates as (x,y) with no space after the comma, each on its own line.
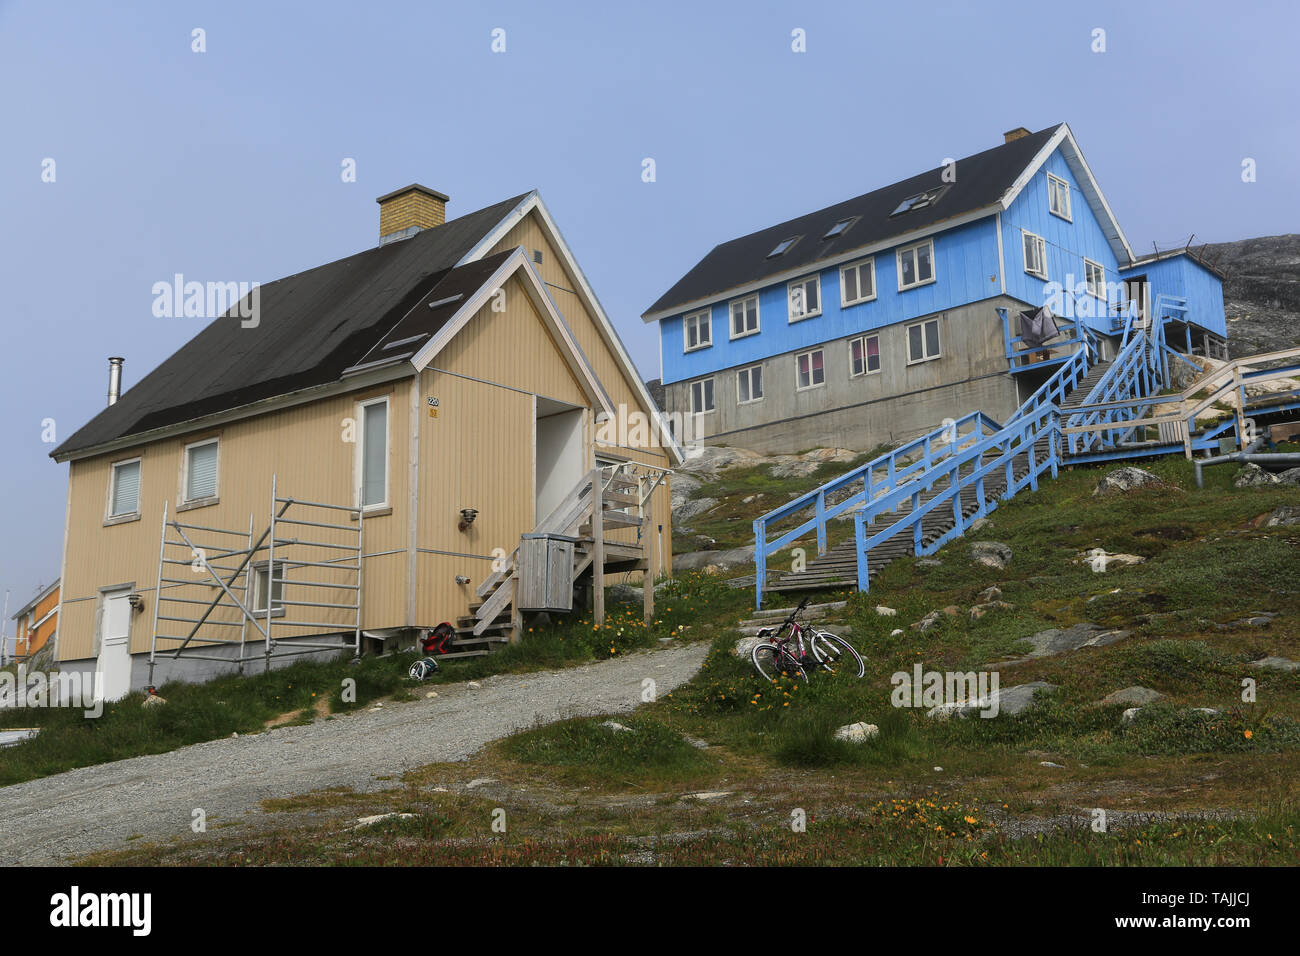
(94,808)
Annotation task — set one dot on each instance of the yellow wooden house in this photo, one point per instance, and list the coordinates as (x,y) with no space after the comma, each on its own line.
(434,429)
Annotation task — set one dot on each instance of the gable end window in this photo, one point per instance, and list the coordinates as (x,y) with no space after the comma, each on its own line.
(1035,255)
(915,265)
(124,489)
(702,396)
(372,454)
(1058,197)
(805,296)
(864,355)
(199,478)
(697,329)
(744,316)
(858,282)
(810,369)
(923,341)
(749,385)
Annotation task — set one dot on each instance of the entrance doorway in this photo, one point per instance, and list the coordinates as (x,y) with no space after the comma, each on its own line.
(559,457)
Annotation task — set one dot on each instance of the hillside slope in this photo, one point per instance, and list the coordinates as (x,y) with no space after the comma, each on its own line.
(1261,291)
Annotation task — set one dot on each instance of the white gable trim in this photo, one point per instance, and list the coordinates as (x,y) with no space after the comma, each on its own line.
(1065,141)
(516,263)
(531,202)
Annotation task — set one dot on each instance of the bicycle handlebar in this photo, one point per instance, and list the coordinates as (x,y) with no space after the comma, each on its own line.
(795,613)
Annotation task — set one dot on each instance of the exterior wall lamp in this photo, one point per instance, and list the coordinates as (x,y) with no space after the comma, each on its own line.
(467,516)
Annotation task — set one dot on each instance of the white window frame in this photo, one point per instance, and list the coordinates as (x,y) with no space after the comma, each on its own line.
(359,460)
(691,396)
(811,384)
(706,325)
(265,571)
(112,486)
(1025,236)
(898,261)
(925,356)
(1097,288)
(845,301)
(803,283)
(749,373)
(1063,189)
(880,356)
(731,318)
(184,498)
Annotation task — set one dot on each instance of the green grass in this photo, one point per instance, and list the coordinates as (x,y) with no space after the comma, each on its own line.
(199,712)
(584,750)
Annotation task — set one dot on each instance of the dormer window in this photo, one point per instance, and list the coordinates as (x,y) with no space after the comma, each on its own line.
(919,201)
(783,247)
(840,228)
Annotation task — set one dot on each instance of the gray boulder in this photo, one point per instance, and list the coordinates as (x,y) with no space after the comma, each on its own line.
(991,554)
(1011,700)
(1057,641)
(1136,695)
(1126,479)
(1289,477)
(710,459)
(696,506)
(1253,476)
(682,486)
(857,733)
(1274,664)
(793,469)
(1284,517)
(723,560)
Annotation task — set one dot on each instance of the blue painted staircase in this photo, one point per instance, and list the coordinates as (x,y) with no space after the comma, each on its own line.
(918,497)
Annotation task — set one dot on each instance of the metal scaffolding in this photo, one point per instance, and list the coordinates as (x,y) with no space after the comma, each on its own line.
(237,581)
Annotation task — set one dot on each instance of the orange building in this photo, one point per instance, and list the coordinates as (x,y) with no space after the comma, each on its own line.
(37,622)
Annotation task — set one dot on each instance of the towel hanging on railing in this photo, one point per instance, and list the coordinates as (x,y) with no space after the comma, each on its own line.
(1037,326)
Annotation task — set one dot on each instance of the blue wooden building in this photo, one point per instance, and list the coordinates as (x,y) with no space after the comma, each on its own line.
(874,319)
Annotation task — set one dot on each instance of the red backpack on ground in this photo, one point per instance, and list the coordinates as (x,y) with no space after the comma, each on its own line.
(438,641)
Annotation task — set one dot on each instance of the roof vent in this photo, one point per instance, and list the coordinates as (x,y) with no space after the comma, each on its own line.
(1012,135)
(408,210)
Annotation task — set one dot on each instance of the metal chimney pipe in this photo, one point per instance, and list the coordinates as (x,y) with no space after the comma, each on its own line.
(115,379)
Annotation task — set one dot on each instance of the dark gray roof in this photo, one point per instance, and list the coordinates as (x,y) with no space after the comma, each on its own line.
(981,180)
(312,326)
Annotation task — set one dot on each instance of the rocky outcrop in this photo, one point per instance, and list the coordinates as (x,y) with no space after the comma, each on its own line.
(1127,479)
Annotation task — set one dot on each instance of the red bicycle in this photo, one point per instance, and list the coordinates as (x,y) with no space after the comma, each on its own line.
(785,651)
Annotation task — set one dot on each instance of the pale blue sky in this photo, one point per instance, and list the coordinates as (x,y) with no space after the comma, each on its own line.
(225,165)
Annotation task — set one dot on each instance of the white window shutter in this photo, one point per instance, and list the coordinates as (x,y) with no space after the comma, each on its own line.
(374,455)
(126,489)
(201,472)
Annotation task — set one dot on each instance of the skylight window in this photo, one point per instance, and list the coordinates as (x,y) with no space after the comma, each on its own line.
(783,247)
(919,201)
(839,228)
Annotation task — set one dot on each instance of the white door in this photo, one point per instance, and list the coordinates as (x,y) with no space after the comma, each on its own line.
(113,680)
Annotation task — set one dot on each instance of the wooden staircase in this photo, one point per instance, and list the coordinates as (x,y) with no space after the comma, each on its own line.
(605,501)
(839,565)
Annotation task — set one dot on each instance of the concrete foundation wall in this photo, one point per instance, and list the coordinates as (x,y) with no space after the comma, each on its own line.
(898,402)
(191,671)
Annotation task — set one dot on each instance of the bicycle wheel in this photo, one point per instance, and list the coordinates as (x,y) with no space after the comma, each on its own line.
(836,655)
(771,662)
